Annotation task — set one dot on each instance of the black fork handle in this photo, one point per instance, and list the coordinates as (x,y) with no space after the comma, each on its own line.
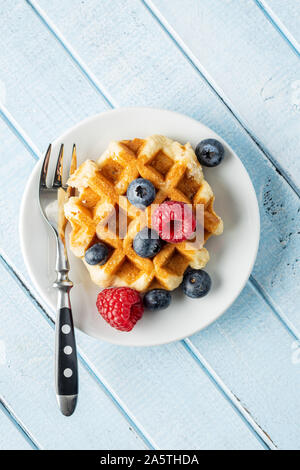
(66,366)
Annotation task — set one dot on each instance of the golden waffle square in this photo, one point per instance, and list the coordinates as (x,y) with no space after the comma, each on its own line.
(94,214)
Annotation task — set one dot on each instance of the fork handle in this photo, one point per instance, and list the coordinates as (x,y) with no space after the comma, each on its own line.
(66,366)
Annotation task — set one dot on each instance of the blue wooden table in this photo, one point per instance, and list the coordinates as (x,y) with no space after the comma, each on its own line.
(235,66)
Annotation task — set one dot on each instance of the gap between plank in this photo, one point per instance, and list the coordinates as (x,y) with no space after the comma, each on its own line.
(25,139)
(8,411)
(92,79)
(35,153)
(196,64)
(292,330)
(19,132)
(110,393)
(262,437)
(22,283)
(109,101)
(84,69)
(244,414)
(278,25)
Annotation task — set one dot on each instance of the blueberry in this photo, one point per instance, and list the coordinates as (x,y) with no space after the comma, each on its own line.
(210,152)
(157,299)
(97,254)
(147,243)
(196,283)
(141,193)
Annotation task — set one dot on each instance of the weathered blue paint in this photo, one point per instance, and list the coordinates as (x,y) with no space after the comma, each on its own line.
(236,384)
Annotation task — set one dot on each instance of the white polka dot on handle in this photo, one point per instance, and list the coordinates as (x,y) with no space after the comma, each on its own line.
(65,329)
(68,373)
(68,350)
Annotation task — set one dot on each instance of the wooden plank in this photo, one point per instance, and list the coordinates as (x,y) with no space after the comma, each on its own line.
(286,15)
(251,353)
(168,374)
(175,95)
(52,88)
(27,383)
(172,82)
(269,184)
(10,437)
(233,44)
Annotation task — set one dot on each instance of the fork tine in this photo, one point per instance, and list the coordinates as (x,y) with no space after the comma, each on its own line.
(44,169)
(57,181)
(73,160)
(73,166)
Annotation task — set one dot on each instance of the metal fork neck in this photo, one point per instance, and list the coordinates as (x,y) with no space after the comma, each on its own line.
(62,263)
(62,283)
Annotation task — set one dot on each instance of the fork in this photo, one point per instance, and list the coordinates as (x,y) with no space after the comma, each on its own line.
(66,368)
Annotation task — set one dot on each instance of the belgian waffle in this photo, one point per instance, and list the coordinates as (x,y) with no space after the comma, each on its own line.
(176,174)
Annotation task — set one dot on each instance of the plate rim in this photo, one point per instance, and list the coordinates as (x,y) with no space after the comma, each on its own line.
(86,121)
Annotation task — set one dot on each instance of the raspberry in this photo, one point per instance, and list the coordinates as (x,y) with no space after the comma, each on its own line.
(174,221)
(121,307)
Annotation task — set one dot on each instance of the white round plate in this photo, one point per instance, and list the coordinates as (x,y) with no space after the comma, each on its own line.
(232,254)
